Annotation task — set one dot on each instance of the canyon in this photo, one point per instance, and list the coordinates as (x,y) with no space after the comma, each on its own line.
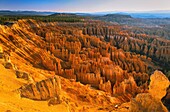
(84,66)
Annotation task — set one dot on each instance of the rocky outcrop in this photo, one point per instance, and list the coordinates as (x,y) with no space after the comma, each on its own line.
(126,86)
(107,87)
(21,74)
(1,52)
(45,60)
(89,78)
(42,90)
(69,74)
(159,82)
(54,101)
(126,89)
(7,62)
(148,102)
(8,65)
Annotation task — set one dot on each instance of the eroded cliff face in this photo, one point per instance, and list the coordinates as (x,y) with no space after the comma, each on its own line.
(42,90)
(96,54)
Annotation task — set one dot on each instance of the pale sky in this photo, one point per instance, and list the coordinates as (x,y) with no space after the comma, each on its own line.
(85,5)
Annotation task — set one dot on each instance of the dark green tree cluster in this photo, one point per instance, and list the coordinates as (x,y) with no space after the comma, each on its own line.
(7,19)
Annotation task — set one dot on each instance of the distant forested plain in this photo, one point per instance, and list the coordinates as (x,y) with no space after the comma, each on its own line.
(5,19)
(150,26)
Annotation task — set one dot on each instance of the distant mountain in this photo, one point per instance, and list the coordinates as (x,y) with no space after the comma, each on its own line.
(8,12)
(63,14)
(150,15)
(141,14)
(117,16)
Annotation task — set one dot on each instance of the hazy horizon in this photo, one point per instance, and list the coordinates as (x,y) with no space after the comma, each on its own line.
(85,5)
(164,11)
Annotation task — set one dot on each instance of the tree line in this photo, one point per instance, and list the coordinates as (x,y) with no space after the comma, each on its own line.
(58,18)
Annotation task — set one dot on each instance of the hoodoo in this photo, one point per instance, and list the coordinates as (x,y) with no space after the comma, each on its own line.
(81,66)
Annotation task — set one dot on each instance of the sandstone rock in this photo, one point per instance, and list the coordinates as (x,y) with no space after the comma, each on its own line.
(107,87)
(8,65)
(128,86)
(69,74)
(54,101)
(113,73)
(1,55)
(7,58)
(1,52)
(42,90)
(158,85)
(144,102)
(21,74)
(89,78)
(151,102)
(1,49)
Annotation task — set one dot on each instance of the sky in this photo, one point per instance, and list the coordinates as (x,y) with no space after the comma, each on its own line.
(85,5)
